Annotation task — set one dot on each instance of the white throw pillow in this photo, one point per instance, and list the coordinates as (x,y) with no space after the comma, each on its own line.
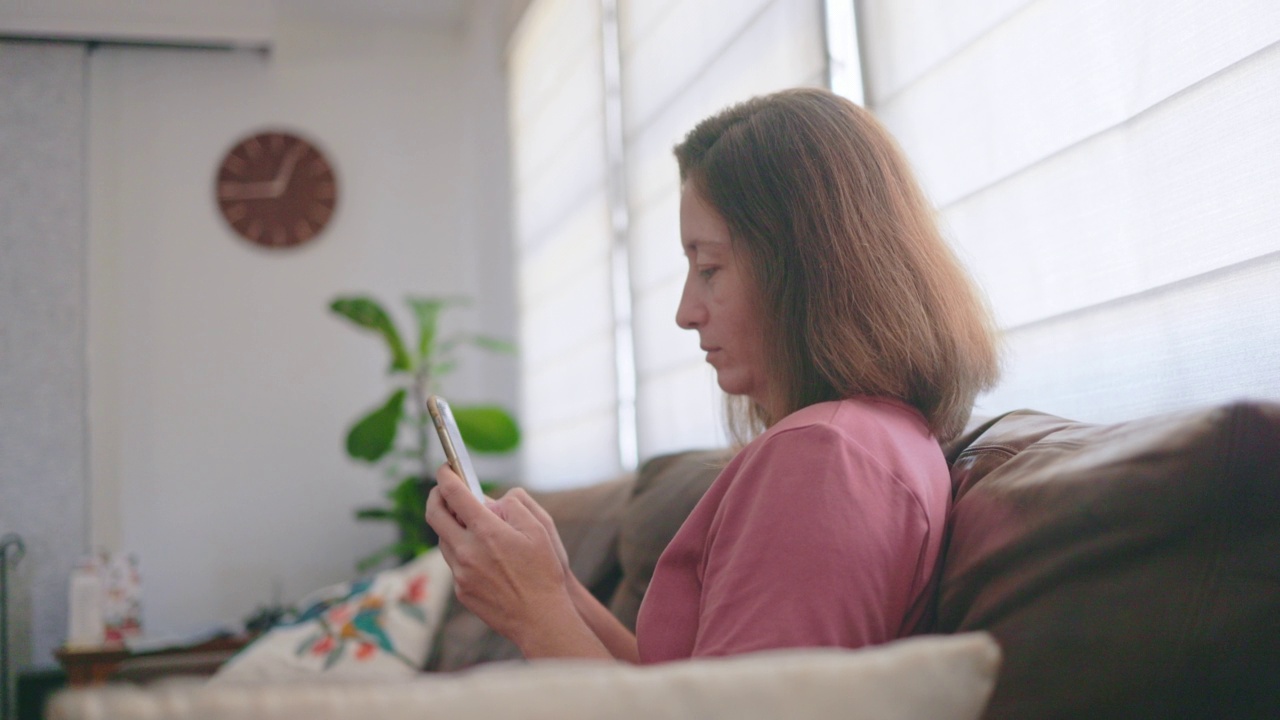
(924,678)
(380,627)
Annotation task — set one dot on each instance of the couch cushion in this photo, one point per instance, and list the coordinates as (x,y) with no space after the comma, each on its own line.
(934,678)
(667,488)
(1128,570)
(378,627)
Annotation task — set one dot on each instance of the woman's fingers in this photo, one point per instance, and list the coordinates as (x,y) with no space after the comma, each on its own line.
(541,534)
(531,506)
(462,547)
(520,517)
(438,515)
(526,501)
(457,496)
(445,525)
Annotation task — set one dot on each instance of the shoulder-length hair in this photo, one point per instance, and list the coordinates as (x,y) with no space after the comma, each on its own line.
(860,294)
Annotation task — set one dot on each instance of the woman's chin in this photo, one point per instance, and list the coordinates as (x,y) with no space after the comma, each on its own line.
(733,385)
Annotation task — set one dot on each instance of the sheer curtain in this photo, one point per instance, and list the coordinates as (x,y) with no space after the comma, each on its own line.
(682,60)
(1108,169)
(569,395)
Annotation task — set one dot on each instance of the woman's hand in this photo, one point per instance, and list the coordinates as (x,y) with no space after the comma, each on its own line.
(509,568)
(519,495)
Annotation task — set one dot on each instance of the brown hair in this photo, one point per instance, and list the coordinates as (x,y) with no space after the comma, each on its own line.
(860,293)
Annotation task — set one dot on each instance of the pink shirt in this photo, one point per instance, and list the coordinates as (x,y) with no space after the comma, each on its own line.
(824,531)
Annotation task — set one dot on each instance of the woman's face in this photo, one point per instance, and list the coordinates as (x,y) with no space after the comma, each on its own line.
(719,302)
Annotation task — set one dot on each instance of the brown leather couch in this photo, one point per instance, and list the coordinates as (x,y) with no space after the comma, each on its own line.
(1129,570)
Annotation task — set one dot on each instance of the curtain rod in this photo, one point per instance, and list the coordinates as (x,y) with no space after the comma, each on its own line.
(262,48)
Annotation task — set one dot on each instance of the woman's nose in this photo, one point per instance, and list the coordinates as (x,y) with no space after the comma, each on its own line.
(692,312)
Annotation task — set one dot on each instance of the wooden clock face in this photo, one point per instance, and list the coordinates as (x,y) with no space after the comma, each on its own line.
(276,189)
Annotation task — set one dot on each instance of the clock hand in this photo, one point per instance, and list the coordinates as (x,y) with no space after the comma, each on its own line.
(248,190)
(264,189)
(281,182)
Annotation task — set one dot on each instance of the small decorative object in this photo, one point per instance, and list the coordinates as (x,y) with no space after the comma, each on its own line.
(85,626)
(105,600)
(415,373)
(276,189)
(122,597)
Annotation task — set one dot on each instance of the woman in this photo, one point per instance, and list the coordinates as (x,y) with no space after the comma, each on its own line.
(850,342)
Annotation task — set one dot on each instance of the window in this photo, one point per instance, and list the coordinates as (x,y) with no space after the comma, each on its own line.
(1105,169)
(679,61)
(569,395)
(1108,172)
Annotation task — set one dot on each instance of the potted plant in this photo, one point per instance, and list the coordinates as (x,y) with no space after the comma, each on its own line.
(398,436)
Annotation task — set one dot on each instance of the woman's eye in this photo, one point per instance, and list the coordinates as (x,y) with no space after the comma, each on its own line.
(706,273)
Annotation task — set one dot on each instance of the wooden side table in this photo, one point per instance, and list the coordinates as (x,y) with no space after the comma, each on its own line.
(97,665)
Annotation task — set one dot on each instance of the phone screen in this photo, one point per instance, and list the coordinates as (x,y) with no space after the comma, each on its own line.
(451,440)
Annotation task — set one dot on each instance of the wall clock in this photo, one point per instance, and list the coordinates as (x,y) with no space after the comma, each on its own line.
(276,189)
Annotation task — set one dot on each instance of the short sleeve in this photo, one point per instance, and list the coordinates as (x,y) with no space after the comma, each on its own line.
(815,543)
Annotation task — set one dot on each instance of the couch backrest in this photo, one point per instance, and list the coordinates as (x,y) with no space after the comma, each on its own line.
(1128,570)
(667,487)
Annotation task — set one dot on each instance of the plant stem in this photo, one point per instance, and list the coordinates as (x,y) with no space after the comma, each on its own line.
(421,384)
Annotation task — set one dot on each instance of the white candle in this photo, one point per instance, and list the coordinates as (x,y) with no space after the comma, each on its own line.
(85,627)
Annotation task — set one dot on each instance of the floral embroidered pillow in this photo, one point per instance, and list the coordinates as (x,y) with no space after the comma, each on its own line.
(380,627)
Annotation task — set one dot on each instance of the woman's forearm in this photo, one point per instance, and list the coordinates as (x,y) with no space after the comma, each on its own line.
(560,633)
(612,634)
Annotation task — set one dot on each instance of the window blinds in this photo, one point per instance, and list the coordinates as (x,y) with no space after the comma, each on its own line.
(562,228)
(680,61)
(683,60)
(1108,171)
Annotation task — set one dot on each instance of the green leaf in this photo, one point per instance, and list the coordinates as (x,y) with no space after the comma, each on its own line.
(427,311)
(410,503)
(408,510)
(484,342)
(373,436)
(365,312)
(375,513)
(493,344)
(487,428)
(416,547)
(393,550)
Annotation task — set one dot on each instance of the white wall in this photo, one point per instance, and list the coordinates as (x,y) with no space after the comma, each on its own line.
(220,385)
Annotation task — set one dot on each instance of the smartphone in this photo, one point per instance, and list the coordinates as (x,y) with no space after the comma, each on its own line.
(451,440)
